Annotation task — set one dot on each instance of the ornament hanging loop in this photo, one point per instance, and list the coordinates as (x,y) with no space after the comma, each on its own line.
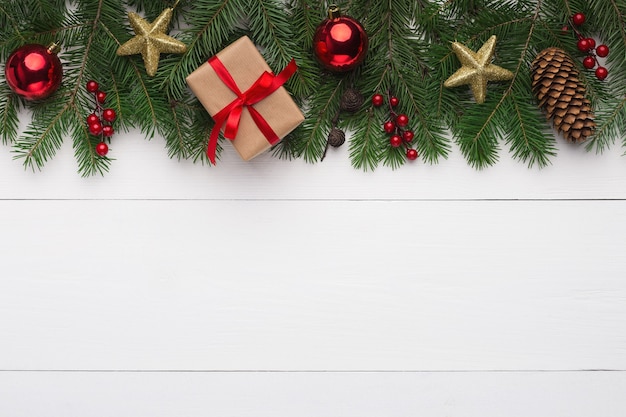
(54,48)
(334,12)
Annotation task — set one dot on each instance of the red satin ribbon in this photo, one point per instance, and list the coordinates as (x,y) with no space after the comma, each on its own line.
(231,114)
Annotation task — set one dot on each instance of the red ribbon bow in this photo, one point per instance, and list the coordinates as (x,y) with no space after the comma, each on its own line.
(231,114)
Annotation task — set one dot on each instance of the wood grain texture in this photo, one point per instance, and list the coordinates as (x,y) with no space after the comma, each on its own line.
(570,394)
(281,266)
(312,285)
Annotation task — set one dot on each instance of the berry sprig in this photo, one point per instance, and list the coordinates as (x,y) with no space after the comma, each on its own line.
(100,121)
(588,45)
(396,125)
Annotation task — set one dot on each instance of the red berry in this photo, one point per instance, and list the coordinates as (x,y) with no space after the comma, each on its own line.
(92,118)
(101,96)
(394,101)
(578,19)
(583,45)
(601,73)
(591,42)
(109,115)
(565,28)
(389,127)
(589,62)
(102,149)
(395,141)
(92,86)
(402,120)
(108,131)
(377,100)
(411,154)
(408,135)
(602,51)
(95,128)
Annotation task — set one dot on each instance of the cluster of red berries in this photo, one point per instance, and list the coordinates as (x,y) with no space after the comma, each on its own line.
(588,45)
(396,125)
(100,121)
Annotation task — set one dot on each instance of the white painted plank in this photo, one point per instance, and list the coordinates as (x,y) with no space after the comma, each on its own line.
(570,394)
(143,170)
(322,285)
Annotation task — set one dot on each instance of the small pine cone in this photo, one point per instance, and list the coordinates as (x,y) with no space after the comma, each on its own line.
(561,94)
(336,137)
(351,100)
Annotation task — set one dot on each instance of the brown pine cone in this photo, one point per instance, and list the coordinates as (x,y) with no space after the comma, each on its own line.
(336,137)
(556,83)
(351,100)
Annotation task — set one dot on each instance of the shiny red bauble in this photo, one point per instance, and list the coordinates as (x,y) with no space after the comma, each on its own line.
(583,45)
(92,86)
(340,42)
(34,71)
(389,126)
(402,120)
(602,51)
(395,140)
(578,19)
(109,115)
(95,128)
(102,149)
(411,154)
(377,100)
(601,73)
(589,62)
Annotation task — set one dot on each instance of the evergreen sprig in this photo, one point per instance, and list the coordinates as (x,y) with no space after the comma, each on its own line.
(409,56)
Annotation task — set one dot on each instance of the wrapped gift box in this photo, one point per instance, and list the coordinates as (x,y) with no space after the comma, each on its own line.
(245,64)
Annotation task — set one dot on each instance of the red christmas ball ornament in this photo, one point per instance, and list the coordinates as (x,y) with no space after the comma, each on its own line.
(411,154)
(408,135)
(340,42)
(34,71)
(394,101)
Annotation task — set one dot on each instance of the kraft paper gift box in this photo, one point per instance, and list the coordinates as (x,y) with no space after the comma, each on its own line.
(245,64)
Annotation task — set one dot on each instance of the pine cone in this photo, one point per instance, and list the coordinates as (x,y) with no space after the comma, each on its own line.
(336,137)
(351,100)
(561,94)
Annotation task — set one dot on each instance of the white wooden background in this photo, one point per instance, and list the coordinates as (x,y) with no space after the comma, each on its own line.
(275,288)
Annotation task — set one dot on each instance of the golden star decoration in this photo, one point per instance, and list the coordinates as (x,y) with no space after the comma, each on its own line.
(477,69)
(151,41)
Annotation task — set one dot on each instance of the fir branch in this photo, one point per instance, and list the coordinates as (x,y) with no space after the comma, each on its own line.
(312,135)
(210,25)
(270,27)
(9,119)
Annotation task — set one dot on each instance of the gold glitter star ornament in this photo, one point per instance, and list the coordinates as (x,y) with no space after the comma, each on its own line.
(151,40)
(477,69)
